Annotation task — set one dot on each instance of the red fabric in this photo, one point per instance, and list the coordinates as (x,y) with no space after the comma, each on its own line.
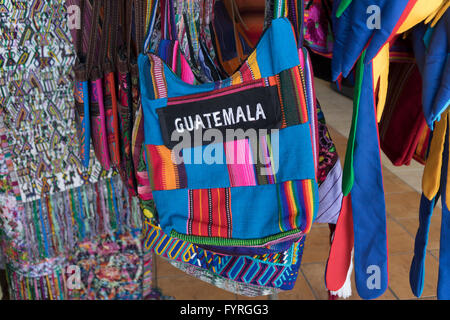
(341,248)
(403,121)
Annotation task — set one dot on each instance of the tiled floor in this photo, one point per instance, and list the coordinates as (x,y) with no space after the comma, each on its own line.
(402,188)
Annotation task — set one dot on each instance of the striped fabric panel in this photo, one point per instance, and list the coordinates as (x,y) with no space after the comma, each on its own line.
(210,213)
(253,65)
(311,101)
(250,69)
(221,92)
(240,163)
(246,72)
(163,173)
(297,204)
(158,78)
(292,97)
(237,78)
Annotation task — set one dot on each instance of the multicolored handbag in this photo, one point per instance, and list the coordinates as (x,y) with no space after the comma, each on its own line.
(81,92)
(217,204)
(96,102)
(107,51)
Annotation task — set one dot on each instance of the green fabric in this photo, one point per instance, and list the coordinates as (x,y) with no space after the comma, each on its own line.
(348,174)
(342,6)
(216,241)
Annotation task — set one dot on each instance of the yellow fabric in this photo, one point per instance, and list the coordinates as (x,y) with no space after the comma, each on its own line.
(380,75)
(432,171)
(440,13)
(421,10)
(432,15)
(253,64)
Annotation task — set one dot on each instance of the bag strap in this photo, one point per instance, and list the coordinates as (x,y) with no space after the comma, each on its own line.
(106,28)
(92,37)
(79,34)
(139,18)
(112,47)
(128,27)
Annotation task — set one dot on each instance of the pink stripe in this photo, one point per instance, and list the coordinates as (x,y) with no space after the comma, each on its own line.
(145,193)
(174,55)
(105,155)
(186,72)
(240,163)
(142,177)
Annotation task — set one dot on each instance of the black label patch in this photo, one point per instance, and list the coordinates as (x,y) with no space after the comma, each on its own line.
(255,108)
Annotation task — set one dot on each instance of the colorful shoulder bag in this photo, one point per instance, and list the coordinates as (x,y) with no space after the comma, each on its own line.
(227,203)
(81,92)
(108,49)
(97,107)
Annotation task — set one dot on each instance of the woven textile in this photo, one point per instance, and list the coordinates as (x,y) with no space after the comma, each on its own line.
(37,101)
(298,200)
(54,212)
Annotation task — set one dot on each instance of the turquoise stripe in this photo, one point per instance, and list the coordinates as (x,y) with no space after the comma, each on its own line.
(80,202)
(113,196)
(44,235)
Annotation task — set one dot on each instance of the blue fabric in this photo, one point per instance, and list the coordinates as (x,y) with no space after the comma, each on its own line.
(352,34)
(417,271)
(443,289)
(436,76)
(173,215)
(295,153)
(391,11)
(277,49)
(367,194)
(341,27)
(419,45)
(251,219)
(199,175)
(152,131)
(255,218)
(432,51)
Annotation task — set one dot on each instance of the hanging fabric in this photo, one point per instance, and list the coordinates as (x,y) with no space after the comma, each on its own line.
(108,48)
(96,105)
(81,93)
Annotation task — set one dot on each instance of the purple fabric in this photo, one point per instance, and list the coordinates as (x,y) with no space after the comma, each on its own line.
(330,196)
